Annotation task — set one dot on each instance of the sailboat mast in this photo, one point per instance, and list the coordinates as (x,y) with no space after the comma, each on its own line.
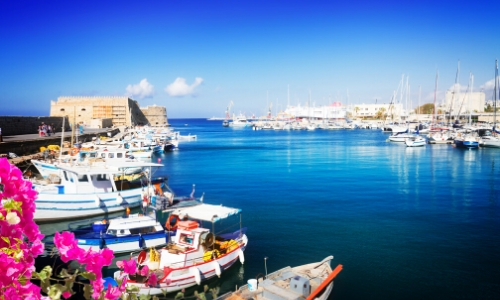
(454,92)
(470,98)
(495,92)
(435,92)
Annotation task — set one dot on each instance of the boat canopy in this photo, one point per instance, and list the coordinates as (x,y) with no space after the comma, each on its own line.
(207,212)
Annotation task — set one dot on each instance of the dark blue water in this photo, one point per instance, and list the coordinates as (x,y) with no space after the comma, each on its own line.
(406,223)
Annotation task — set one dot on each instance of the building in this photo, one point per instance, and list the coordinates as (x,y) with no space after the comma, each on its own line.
(335,111)
(156,115)
(122,110)
(372,111)
(464,103)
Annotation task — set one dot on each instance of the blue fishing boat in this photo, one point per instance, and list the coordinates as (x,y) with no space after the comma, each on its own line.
(467,141)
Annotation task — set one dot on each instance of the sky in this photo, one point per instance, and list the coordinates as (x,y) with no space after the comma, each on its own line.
(195,57)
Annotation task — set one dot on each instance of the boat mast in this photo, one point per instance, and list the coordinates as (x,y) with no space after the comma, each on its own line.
(470,98)
(495,98)
(62,138)
(454,91)
(435,91)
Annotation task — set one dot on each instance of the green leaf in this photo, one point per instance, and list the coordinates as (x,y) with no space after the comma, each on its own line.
(55,291)
(87,291)
(144,297)
(63,274)
(133,289)
(205,288)
(88,275)
(6,239)
(22,280)
(180,295)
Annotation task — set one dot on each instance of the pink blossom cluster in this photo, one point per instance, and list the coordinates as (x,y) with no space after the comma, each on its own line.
(21,238)
(93,261)
(20,244)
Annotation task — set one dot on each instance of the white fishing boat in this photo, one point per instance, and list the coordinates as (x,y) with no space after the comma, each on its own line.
(84,191)
(102,157)
(400,137)
(239,122)
(312,281)
(441,137)
(416,141)
(194,254)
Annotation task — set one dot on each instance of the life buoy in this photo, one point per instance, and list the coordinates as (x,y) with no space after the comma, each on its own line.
(169,225)
(74,151)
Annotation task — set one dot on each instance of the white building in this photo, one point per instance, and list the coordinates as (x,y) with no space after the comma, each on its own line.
(335,111)
(464,102)
(394,111)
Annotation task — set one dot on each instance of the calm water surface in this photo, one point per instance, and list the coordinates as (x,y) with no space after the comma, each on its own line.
(406,223)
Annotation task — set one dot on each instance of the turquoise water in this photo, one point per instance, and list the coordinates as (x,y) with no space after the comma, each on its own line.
(406,223)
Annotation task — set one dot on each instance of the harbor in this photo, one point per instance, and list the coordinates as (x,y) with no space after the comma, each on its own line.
(249,150)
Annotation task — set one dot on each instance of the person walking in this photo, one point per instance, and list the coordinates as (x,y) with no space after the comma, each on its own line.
(49,129)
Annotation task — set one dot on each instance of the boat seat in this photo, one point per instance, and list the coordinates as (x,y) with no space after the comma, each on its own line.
(272,291)
(286,275)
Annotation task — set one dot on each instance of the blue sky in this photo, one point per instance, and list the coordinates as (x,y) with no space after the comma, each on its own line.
(194,57)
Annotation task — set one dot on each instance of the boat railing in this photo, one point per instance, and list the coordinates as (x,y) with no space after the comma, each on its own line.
(81,223)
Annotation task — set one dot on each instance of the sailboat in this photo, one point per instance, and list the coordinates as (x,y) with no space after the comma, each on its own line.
(492,140)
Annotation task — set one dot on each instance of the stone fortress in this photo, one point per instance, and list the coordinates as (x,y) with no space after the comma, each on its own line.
(107,111)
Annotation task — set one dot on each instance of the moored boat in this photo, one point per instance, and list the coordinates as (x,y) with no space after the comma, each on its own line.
(309,281)
(84,191)
(194,254)
(416,141)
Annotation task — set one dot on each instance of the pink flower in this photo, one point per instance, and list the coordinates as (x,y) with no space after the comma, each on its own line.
(153,280)
(112,293)
(129,266)
(144,271)
(66,295)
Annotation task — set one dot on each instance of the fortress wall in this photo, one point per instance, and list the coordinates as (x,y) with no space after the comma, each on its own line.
(15,125)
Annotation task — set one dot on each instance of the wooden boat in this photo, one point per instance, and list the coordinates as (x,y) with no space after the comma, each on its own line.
(310,281)
(194,254)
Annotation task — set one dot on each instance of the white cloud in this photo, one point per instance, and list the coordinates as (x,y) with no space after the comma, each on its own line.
(142,90)
(180,88)
(489,89)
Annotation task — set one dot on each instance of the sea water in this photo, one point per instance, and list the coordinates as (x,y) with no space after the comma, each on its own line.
(405,223)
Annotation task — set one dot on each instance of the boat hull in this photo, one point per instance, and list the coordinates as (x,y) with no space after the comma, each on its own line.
(466,144)
(181,278)
(52,206)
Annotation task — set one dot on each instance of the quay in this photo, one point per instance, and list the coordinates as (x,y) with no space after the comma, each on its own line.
(27,146)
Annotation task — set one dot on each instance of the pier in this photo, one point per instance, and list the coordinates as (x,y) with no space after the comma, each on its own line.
(27,146)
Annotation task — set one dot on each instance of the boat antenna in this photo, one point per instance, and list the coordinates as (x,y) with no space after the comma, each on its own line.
(192,193)
(265,264)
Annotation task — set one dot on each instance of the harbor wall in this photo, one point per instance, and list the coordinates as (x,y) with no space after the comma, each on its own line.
(16,125)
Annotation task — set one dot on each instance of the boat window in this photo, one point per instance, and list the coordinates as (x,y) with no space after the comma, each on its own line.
(111,155)
(119,155)
(83,178)
(65,176)
(103,155)
(186,239)
(142,230)
(113,232)
(102,177)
